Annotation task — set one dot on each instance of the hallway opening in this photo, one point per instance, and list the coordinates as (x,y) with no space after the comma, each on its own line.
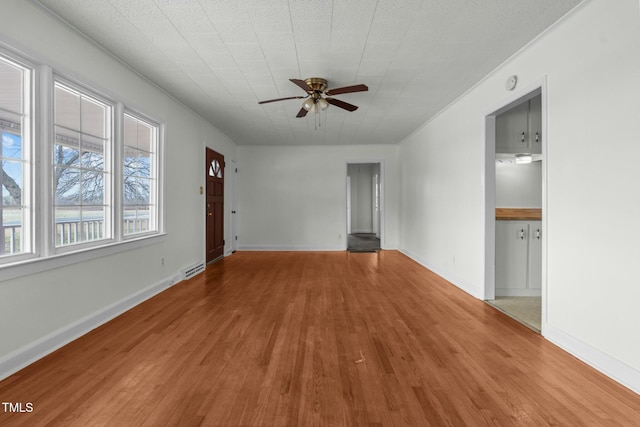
(363,207)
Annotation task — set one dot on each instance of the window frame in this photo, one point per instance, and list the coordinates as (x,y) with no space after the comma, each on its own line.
(27,132)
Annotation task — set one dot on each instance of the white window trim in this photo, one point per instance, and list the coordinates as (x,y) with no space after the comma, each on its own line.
(38,265)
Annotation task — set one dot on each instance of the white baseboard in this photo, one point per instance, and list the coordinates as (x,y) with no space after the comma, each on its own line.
(608,365)
(290,248)
(33,351)
(448,276)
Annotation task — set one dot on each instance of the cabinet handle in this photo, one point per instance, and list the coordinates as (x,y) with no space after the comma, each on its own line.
(522,234)
(522,137)
(538,234)
(537,136)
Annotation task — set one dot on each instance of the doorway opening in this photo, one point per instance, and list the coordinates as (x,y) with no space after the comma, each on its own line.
(515,204)
(364,207)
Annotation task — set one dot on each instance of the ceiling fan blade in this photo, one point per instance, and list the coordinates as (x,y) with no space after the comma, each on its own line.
(281,99)
(303,85)
(302,113)
(347,89)
(342,104)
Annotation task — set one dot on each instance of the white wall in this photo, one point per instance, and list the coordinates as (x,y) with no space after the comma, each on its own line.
(592,65)
(295,197)
(40,311)
(519,186)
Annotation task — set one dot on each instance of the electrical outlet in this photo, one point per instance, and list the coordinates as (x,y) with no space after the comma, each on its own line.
(162,261)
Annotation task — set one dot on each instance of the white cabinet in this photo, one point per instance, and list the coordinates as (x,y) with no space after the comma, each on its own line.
(518,258)
(519,130)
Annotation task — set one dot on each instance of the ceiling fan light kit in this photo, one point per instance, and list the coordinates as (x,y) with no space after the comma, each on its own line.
(313,105)
(319,97)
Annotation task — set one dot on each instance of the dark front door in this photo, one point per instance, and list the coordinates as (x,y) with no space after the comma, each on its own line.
(214,170)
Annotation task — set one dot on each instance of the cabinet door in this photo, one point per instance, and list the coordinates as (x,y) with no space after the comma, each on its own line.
(511,130)
(535,255)
(511,256)
(535,124)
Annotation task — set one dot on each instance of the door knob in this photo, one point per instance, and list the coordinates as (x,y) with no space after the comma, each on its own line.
(210,214)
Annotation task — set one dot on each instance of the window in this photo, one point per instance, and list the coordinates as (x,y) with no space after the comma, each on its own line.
(15,213)
(81,173)
(215,169)
(139,171)
(98,180)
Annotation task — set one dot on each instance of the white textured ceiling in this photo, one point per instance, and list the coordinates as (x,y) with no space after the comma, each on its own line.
(220,57)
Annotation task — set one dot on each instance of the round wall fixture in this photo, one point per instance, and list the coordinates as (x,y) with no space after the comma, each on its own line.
(511,82)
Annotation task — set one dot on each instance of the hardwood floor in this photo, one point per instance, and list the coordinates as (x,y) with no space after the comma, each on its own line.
(325,338)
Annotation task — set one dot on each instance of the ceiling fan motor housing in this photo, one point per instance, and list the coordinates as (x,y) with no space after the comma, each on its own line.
(318,84)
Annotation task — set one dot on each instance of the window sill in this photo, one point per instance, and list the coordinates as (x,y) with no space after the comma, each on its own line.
(37,265)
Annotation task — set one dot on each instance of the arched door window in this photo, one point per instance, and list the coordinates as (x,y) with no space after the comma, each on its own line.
(215,169)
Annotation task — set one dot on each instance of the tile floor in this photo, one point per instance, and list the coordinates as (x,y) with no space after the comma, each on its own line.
(527,310)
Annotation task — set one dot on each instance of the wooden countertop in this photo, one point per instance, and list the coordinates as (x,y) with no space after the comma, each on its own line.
(518,214)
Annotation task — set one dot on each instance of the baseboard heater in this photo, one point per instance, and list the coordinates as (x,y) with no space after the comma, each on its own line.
(189,272)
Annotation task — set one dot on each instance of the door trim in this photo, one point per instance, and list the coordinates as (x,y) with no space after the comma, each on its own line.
(489,134)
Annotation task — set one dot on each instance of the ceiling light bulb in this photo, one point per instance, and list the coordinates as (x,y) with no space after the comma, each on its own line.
(323,104)
(309,104)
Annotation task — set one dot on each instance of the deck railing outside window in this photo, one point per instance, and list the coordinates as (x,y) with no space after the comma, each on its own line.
(68,232)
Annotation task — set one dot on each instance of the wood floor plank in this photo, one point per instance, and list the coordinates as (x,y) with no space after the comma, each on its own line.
(315,339)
